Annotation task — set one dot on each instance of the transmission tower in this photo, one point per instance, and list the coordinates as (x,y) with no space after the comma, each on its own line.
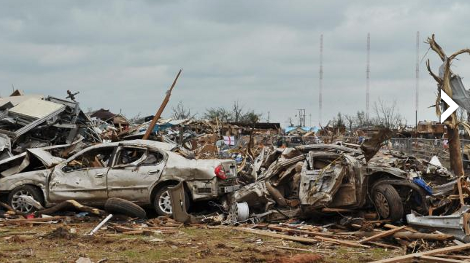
(320,95)
(367,76)
(417,78)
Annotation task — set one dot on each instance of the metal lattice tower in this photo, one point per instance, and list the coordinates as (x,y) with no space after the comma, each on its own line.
(367,76)
(320,95)
(417,78)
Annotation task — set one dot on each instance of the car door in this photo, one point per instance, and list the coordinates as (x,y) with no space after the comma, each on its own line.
(82,177)
(135,170)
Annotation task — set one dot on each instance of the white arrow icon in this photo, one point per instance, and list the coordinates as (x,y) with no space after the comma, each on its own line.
(452,106)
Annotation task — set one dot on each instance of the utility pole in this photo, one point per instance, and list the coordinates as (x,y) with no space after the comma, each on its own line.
(367,77)
(160,110)
(417,81)
(320,95)
(301,117)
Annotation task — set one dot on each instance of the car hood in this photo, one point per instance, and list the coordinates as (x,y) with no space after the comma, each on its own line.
(21,163)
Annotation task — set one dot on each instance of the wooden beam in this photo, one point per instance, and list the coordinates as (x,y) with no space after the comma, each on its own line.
(32,220)
(393,227)
(408,258)
(160,110)
(383,234)
(439,260)
(410,235)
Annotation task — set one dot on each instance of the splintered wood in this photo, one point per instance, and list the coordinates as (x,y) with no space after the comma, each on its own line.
(429,256)
(312,240)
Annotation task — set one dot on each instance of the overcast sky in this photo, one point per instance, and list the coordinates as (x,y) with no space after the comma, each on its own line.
(123,55)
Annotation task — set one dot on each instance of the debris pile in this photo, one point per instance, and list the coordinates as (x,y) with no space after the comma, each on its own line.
(33,121)
(57,164)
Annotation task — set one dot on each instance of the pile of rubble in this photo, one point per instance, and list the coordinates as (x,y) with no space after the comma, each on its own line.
(362,193)
(33,121)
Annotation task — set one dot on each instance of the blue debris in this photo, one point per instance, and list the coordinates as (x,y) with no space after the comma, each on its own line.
(420,182)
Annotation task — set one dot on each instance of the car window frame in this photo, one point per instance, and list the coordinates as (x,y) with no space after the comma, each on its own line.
(134,163)
(84,151)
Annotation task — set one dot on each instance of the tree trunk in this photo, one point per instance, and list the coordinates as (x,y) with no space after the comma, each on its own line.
(456,164)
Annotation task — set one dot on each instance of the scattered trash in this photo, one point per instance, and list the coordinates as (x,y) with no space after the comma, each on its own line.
(100,225)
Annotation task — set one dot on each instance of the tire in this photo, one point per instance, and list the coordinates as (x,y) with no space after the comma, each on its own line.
(162,201)
(15,202)
(387,202)
(116,205)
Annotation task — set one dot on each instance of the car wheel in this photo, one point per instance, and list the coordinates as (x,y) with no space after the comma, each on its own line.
(162,201)
(388,203)
(116,205)
(17,203)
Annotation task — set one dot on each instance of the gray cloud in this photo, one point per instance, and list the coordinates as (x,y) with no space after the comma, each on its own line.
(123,55)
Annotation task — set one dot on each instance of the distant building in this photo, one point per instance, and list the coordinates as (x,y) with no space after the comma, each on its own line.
(117,120)
(430,129)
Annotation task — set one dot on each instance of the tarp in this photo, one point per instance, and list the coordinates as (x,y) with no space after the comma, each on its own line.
(305,129)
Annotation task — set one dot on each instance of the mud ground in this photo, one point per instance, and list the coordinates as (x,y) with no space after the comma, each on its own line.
(68,242)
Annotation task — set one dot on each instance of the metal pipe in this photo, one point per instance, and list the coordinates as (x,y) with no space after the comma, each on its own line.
(100,225)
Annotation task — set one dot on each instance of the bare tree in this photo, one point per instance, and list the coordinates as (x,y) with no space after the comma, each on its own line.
(443,82)
(237,111)
(220,114)
(290,121)
(361,119)
(235,115)
(387,115)
(180,112)
(350,120)
(251,117)
(338,122)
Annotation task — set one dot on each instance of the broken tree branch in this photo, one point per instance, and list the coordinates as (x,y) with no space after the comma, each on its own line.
(71,204)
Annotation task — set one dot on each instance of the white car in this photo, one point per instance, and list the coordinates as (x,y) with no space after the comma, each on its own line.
(140,171)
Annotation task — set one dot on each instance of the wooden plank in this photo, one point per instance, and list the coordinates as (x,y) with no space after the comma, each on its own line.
(312,240)
(408,228)
(438,251)
(425,236)
(383,234)
(298,231)
(439,260)
(295,249)
(32,220)
(160,110)
(454,256)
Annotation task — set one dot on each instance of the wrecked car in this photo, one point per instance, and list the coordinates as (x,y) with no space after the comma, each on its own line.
(140,171)
(309,178)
